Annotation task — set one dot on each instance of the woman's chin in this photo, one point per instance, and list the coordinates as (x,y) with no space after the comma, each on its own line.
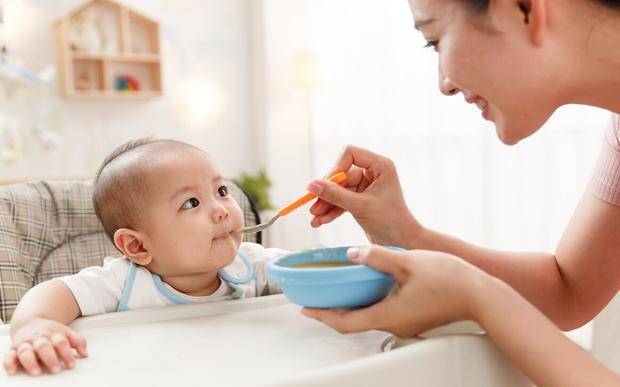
(507,133)
(506,140)
(516,127)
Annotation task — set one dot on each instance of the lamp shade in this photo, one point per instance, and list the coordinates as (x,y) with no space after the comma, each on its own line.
(305,70)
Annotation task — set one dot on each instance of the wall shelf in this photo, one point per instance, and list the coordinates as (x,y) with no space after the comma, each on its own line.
(104,47)
(131,57)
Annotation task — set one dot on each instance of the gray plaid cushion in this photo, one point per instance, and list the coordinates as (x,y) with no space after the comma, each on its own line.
(49,229)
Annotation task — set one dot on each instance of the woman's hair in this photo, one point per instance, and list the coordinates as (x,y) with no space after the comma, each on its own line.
(482,5)
(611,3)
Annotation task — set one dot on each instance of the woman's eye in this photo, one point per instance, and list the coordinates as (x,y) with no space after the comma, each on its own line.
(191,203)
(432,44)
(223,191)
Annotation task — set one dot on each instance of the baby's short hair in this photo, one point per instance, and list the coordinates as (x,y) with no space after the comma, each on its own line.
(121,183)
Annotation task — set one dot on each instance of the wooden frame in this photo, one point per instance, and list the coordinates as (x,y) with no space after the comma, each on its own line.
(95,74)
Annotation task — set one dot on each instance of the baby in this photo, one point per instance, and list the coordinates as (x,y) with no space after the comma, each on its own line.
(168,210)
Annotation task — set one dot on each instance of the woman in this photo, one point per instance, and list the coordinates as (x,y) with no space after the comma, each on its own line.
(518,61)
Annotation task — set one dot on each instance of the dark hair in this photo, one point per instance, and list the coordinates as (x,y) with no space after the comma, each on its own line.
(483,5)
(611,3)
(121,184)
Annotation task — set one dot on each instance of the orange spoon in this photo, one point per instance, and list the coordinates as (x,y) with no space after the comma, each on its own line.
(337,178)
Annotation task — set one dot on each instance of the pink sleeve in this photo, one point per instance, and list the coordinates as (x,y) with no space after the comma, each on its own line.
(605,182)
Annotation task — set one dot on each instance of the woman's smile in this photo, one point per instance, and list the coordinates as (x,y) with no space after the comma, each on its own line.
(481,104)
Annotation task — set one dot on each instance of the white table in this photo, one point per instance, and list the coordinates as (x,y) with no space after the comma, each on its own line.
(263,341)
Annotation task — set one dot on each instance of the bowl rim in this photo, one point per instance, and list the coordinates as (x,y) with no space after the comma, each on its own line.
(327,275)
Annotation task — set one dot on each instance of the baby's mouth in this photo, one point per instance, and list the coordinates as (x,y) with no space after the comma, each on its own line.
(222,234)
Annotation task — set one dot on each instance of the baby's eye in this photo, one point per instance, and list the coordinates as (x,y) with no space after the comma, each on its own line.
(223,191)
(191,203)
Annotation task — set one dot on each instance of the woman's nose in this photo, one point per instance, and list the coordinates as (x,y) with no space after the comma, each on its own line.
(219,213)
(445,86)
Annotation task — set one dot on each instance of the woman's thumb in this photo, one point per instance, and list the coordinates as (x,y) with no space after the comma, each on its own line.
(390,260)
(334,194)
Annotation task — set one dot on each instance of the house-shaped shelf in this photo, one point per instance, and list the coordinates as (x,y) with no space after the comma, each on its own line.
(108,51)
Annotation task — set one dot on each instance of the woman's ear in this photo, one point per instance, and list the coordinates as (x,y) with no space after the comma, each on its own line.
(130,243)
(533,14)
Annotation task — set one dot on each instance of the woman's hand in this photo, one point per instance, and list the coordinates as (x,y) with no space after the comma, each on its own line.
(372,194)
(46,342)
(437,288)
(433,289)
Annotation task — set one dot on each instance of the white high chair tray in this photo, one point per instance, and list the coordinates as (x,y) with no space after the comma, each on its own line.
(262,341)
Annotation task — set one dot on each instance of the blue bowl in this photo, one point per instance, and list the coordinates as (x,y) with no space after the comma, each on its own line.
(332,287)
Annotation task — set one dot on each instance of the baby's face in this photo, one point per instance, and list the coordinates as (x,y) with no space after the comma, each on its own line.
(192,222)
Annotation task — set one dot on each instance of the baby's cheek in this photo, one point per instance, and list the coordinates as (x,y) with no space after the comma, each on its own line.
(237,216)
(238,238)
(240,224)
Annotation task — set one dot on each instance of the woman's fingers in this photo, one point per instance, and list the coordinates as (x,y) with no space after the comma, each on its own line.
(355,179)
(78,342)
(320,207)
(327,218)
(348,320)
(27,359)
(355,176)
(335,194)
(45,351)
(396,263)
(353,155)
(11,362)
(63,349)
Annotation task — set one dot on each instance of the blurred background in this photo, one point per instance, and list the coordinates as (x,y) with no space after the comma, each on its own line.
(281,86)
(274,89)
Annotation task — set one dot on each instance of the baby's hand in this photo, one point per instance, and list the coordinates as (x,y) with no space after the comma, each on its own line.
(43,341)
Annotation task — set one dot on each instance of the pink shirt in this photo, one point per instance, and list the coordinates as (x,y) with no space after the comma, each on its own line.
(605,182)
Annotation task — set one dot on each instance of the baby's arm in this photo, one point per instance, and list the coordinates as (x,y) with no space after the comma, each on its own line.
(39,331)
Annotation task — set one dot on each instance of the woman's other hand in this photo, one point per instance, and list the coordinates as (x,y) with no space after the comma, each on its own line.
(433,289)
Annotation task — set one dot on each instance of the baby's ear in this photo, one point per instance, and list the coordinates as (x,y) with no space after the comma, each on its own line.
(129,242)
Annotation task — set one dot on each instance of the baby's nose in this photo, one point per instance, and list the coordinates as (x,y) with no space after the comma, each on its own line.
(219,213)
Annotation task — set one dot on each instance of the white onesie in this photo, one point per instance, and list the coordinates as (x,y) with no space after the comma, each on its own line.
(122,285)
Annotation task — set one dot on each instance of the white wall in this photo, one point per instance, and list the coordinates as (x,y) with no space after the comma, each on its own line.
(286,146)
(205,43)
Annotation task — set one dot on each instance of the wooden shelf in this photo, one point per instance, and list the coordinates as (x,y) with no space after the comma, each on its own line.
(129,57)
(127,53)
(114,94)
